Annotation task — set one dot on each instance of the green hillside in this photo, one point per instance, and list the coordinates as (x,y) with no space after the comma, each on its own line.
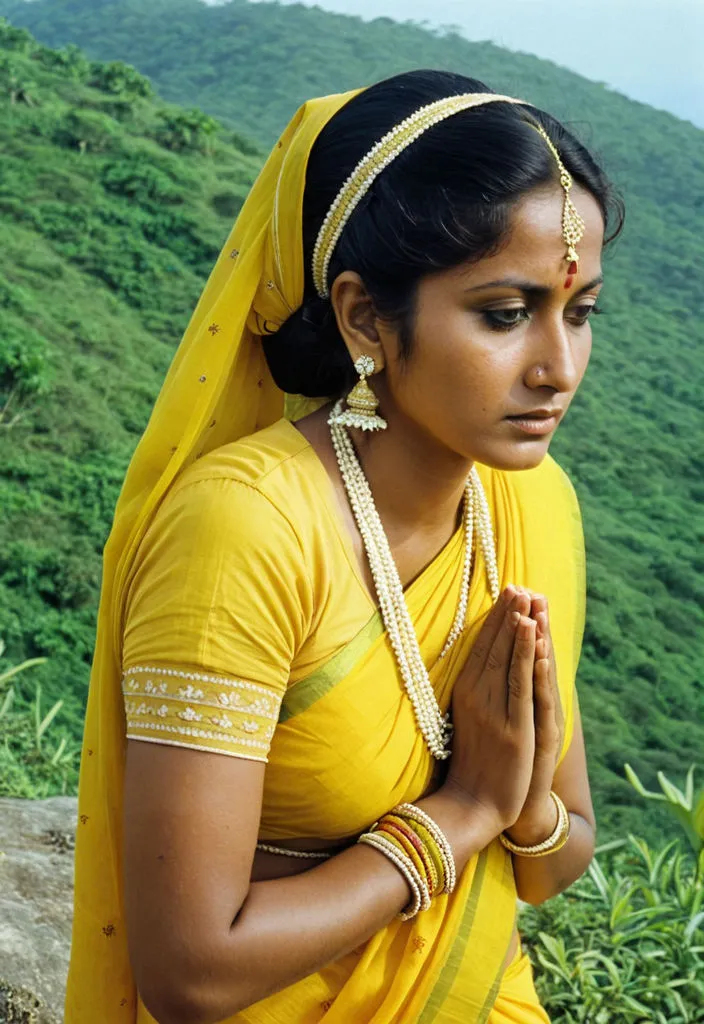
(113,205)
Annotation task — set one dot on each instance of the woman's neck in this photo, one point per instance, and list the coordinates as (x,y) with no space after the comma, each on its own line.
(417,484)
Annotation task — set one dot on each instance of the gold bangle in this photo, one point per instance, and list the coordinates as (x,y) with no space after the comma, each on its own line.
(553,843)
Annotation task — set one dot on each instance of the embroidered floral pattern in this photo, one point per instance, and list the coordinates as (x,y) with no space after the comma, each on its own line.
(225,715)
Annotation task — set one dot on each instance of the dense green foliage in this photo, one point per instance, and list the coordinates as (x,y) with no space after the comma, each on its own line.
(112,208)
(625,943)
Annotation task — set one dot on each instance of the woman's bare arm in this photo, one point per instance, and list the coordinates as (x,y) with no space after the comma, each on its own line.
(206,942)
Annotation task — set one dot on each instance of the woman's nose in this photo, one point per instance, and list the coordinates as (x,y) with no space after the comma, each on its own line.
(555,360)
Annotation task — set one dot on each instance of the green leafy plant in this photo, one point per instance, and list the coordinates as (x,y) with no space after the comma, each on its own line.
(88,130)
(625,943)
(29,765)
(24,371)
(187,129)
(120,79)
(686,806)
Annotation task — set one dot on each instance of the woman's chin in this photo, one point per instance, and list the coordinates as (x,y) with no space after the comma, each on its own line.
(513,457)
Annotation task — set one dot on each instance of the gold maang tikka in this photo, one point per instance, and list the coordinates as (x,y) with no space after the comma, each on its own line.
(573,227)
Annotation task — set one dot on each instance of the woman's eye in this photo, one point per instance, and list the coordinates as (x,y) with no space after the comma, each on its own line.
(580,314)
(505,319)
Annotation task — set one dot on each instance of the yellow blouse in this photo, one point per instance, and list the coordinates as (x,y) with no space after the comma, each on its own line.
(245,584)
(247,613)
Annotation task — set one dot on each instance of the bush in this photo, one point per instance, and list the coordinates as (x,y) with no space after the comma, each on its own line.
(625,943)
(24,371)
(88,130)
(140,181)
(183,130)
(30,766)
(120,79)
(70,61)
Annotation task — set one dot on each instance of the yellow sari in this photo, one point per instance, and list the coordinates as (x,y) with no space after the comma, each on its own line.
(331,680)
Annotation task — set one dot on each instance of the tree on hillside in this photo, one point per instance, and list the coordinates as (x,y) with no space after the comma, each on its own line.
(18,87)
(88,129)
(188,129)
(70,61)
(120,79)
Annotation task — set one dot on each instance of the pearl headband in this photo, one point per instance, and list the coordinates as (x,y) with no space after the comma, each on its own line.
(385,152)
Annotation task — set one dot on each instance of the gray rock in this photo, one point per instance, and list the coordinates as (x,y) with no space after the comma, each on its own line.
(36,905)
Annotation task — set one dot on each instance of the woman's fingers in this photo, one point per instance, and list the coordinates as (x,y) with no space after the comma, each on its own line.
(520,676)
(544,624)
(495,621)
(547,719)
(549,716)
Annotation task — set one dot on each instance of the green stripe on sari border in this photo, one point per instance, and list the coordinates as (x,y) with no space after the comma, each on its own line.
(494,990)
(451,966)
(304,693)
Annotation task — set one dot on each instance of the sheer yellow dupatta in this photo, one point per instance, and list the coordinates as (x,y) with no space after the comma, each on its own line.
(218,389)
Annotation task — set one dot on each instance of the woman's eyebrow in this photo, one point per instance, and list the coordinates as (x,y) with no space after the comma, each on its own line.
(530,287)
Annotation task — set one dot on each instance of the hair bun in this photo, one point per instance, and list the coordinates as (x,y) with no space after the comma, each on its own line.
(307,355)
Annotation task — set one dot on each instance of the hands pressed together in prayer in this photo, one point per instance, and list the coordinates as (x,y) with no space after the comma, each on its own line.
(538,815)
(508,720)
(508,730)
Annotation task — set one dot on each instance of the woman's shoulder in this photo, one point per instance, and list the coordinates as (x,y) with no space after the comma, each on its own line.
(275,462)
(252,459)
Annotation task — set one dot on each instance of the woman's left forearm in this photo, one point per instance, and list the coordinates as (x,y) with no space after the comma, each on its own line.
(540,878)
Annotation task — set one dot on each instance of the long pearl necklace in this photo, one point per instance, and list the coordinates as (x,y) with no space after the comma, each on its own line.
(435,727)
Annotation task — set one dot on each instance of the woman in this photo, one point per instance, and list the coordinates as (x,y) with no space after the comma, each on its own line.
(280,823)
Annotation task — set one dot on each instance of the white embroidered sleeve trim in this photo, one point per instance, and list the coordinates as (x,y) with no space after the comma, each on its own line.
(258,700)
(156,700)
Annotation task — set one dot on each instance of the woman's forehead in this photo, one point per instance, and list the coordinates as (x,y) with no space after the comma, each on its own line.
(534,247)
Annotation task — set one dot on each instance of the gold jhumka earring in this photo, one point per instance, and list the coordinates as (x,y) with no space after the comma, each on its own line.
(362,403)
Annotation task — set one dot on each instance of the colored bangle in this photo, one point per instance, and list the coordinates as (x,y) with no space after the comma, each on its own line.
(402,839)
(416,843)
(553,843)
(433,852)
(416,814)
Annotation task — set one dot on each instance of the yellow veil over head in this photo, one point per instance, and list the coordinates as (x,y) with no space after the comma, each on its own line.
(218,389)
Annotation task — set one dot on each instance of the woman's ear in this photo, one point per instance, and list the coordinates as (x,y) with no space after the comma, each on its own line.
(356,318)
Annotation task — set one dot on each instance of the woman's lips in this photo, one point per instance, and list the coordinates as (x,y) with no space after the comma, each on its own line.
(533,424)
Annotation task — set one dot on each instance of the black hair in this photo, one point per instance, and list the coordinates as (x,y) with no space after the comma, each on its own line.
(444,201)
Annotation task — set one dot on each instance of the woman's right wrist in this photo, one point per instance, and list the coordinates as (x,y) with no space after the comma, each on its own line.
(461,818)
